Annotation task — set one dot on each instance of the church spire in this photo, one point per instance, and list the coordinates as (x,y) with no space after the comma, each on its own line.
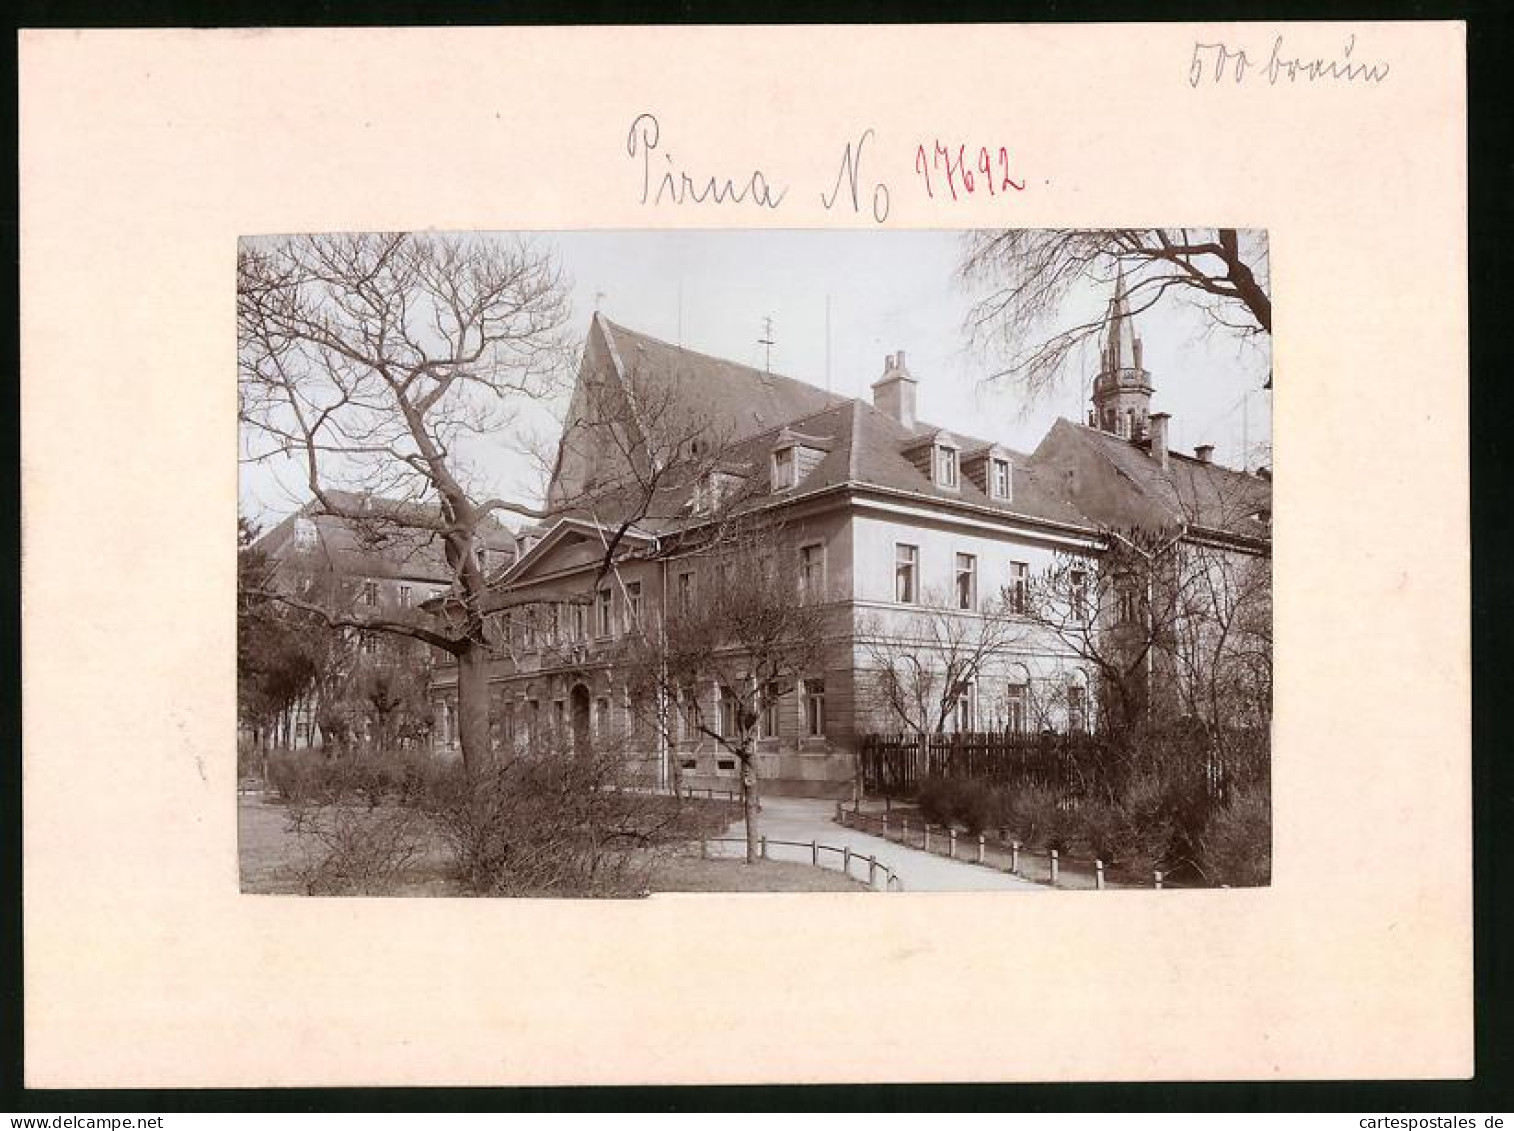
(1122,389)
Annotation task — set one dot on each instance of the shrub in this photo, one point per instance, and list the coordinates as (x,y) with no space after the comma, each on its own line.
(1145,835)
(1039,817)
(969,803)
(1236,847)
(308,776)
(546,823)
(1102,830)
(352,850)
(290,774)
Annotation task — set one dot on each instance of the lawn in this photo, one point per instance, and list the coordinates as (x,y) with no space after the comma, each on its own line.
(271,855)
(691,873)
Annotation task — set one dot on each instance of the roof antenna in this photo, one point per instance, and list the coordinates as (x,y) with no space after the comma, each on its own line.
(827,343)
(766,342)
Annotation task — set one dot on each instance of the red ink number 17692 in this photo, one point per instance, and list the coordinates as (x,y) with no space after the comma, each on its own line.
(961,173)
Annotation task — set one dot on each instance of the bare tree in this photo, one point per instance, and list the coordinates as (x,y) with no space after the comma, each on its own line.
(372,359)
(1114,612)
(747,634)
(1031,275)
(1177,625)
(923,661)
(1220,646)
(369,359)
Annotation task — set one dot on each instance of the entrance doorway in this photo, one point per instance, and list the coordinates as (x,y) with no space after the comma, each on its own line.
(578,713)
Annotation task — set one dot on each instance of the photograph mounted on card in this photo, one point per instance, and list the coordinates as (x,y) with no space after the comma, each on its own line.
(732,518)
(538,602)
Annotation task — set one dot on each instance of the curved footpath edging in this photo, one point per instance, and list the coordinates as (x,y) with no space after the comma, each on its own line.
(798,821)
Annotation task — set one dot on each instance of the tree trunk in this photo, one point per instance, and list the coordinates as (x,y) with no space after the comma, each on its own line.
(473,708)
(749,802)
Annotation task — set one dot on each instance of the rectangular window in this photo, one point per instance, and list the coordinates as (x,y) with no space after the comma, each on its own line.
(728,725)
(960,720)
(1078,593)
(580,622)
(554,623)
(1128,603)
(631,614)
(1001,478)
(370,593)
(404,596)
(604,626)
(602,718)
(1077,709)
(814,708)
(967,581)
(783,469)
(906,566)
(1014,721)
(767,718)
(946,467)
(1019,584)
(686,593)
(812,573)
(687,712)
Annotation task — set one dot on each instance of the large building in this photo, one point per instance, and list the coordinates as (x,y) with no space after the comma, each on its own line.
(375,558)
(910,531)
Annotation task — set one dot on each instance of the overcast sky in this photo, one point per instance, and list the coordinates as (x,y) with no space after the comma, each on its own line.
(886,291)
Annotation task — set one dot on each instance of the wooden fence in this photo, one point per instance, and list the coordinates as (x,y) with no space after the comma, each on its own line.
(1071,765)
(895,765)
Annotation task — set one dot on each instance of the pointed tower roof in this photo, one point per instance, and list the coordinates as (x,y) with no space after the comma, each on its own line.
(1122,349)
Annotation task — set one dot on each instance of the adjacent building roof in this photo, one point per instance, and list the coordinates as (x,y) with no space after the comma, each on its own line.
(387,542)
(1102,474)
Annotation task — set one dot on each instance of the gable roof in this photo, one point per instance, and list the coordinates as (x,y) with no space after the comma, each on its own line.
(737,400)
(563,531)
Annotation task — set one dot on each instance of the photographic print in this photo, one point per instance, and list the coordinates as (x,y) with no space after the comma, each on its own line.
(590,564)
(660,590)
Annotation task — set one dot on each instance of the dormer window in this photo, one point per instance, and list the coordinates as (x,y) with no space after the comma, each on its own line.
(947,472)
(1000,478)
(783,468)
(304,534)
(794,456)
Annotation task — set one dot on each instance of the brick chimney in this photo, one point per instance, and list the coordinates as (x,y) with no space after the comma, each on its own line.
(894,392)
(1158,434)
(1205,452)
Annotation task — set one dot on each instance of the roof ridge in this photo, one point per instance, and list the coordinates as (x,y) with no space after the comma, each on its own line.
(790,423)
(763,374)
